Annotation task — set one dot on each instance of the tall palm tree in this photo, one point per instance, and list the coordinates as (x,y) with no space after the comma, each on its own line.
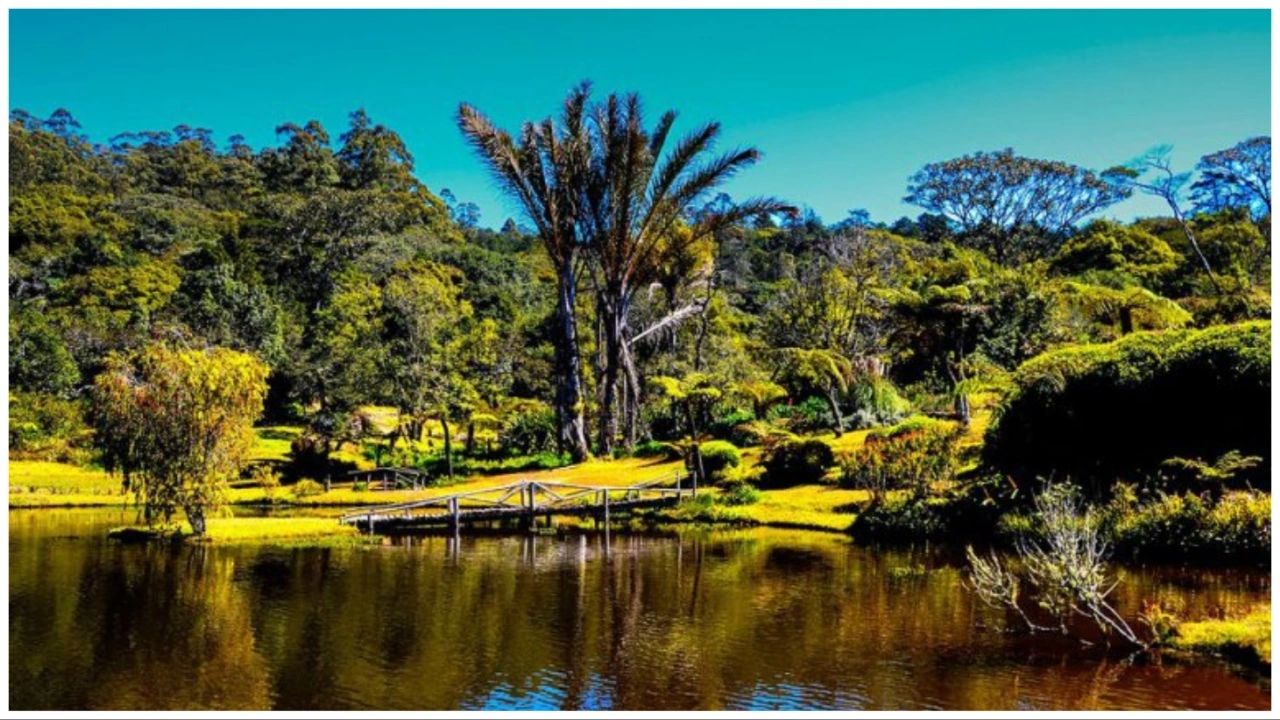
(635,194)
(544,171)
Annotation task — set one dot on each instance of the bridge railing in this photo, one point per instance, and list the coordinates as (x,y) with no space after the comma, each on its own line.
(555,495)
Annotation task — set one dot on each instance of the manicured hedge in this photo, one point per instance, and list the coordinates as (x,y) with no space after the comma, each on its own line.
(1098,413)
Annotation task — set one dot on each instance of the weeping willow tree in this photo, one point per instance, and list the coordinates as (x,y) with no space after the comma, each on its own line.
(178,425)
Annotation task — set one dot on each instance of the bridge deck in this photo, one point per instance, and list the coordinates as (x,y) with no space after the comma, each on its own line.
(525,499)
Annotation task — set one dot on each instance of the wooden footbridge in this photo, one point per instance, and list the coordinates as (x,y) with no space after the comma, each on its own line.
(523,502)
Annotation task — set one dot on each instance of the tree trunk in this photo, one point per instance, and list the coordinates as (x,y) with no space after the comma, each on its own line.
(448,447)
(612,310)
(569,398)
(1126,320)
(471,437)
(196,516)
(833,401)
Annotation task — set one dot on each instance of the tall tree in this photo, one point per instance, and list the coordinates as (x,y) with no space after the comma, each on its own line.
(543,171)
(1007,203)
(636,195)
(1238,177)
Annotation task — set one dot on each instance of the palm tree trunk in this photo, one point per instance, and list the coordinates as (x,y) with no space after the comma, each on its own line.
(612,327)
(569,397)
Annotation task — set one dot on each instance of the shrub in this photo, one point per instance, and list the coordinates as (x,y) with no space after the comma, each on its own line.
(306,488)
(809,416)
(719,455)
(913,455)
(654,448)
(875,402)
(530,431)
(1098,413)
(740,474)
(1190,527)
(724,425)
(751,434)
(907,519)
(740,493)
(791,461)
(266,477)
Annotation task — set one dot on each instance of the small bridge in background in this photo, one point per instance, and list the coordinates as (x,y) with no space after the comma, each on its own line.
(523,501)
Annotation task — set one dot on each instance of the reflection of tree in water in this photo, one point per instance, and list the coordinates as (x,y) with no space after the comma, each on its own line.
(183,639)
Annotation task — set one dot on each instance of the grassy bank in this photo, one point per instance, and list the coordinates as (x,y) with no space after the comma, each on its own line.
(299,531)
(1246,640)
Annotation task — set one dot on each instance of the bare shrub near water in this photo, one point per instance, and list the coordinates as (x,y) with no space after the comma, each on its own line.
(1066,565)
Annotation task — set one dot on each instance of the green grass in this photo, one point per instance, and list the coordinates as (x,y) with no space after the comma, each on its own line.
(288,531)
(1246,639)
(273,443)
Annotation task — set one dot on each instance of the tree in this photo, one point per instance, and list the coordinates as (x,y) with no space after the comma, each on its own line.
(825,371)
(635,194)
(1004,202)
(178,425)
(1153,174)
(543,171)
(428,328)
(1238,177)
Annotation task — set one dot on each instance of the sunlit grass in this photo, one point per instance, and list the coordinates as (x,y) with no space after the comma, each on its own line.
(1247,638)
(273,443)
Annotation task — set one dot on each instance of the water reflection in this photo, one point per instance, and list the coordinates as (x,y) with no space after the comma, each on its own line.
(740,620)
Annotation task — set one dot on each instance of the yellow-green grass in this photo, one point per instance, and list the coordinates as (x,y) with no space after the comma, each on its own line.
(823,507)
(1247,639)
(273,443)
(34,484)
(294,531)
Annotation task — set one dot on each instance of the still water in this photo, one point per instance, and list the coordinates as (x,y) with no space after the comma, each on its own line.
(735,620)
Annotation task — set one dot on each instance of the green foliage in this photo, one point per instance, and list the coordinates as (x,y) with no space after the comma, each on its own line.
(718,456)
(875,401)
(654,448)
(178,425)
(738,494)
(1096,413)
(530,430)
(790,461)
(266,477)
(46,427)
(902,520)
(916,455)
(1234,529)
(1107,246)
(306,488)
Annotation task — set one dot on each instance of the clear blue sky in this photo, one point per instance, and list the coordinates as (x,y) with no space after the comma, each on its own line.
(845,105)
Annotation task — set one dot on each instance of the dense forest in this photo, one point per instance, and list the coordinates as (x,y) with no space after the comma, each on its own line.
(630,303)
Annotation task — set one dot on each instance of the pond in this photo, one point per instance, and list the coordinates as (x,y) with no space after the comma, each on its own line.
(734,620)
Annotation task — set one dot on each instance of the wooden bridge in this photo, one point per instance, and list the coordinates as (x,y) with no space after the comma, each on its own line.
(523,501)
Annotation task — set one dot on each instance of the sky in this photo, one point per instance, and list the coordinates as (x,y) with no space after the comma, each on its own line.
(844,105)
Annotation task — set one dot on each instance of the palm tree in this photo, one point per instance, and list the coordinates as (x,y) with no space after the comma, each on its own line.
(634,199)
(544,171)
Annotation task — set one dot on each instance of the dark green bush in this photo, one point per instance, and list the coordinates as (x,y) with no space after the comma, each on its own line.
(809,416)
(902,520)
(791,461)
(719,455)
(1097,413)
(655,448)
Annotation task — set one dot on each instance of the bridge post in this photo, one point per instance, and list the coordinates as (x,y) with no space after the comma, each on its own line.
(453,514)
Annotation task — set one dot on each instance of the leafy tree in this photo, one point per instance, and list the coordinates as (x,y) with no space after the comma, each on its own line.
(1238,177)
(178,425)
(1004,202)
(1107,246)
(825,371)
